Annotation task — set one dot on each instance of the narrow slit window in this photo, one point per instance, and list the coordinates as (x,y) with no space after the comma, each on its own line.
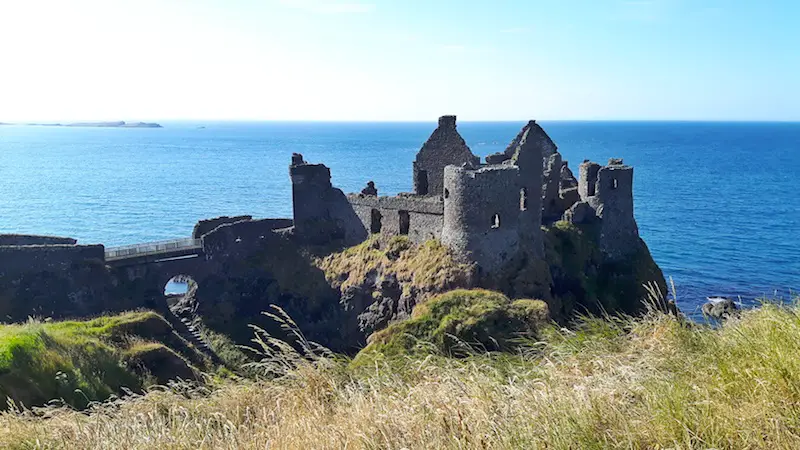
(523,199)
(375,221)
(496,221)
(405,221)
(614,184)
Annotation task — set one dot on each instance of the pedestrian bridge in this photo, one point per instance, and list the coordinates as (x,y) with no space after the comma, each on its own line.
(154,251)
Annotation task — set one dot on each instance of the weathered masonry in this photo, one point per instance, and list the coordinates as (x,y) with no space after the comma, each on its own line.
(487,213)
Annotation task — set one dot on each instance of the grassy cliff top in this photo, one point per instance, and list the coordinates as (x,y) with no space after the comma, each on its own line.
(429,267)
(82,361)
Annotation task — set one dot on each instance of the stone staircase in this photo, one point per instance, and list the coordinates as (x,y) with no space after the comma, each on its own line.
(188,331)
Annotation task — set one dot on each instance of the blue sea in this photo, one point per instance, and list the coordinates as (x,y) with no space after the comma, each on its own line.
(717,203)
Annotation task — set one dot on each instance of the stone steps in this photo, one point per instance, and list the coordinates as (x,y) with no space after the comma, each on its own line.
(184,327)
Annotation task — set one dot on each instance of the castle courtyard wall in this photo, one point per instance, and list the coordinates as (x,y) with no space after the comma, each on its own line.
(419,218)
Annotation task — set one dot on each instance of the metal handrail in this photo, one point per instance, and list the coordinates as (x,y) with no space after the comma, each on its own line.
(149,248)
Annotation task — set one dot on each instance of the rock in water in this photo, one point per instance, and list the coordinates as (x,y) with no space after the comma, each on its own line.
(719,308)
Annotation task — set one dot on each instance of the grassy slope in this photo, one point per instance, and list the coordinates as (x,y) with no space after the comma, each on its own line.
(79,361)
(428,268)
(645,383)
(459,321)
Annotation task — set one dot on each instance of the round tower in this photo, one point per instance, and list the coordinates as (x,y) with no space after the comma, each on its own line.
(482,214)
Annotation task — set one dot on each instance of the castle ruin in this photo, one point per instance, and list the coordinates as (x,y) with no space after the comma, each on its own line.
(487,213)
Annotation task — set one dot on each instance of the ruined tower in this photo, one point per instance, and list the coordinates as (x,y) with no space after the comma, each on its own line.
(494,213)
(608,190)
(444,147)
(482,214)
(312,193)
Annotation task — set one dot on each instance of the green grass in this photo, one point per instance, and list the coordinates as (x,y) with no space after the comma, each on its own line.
(427,269)
(458,321)
(653,382)
(75,361)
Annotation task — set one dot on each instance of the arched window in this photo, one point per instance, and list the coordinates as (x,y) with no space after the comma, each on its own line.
(523,199)
(496,221)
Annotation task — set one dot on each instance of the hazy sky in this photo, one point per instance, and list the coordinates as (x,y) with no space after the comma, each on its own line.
(399,60)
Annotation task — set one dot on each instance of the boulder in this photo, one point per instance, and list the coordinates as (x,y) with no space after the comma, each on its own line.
(719,308)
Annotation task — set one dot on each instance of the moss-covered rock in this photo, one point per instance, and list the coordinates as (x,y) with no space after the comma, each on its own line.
(460,320)
(382,279)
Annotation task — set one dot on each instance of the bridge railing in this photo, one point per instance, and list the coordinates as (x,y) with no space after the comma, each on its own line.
(152,248)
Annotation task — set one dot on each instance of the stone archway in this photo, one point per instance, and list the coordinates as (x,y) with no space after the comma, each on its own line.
(179,287)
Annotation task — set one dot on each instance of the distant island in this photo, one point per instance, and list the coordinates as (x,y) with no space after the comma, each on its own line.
(118,124)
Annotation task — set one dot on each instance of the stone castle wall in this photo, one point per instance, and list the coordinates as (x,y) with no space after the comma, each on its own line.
(607,197)
(17,260)
(419,218)
(28,239)
(204,226)
(482,214)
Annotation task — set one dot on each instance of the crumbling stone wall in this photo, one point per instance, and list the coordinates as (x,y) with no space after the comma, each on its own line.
(204,226)
(419,218)
(551,188)
(16,260)
(53,281)
(322,213)
(532,143)
(444,147)
(28,239)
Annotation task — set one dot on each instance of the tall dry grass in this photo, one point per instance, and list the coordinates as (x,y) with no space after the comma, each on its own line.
(653,382)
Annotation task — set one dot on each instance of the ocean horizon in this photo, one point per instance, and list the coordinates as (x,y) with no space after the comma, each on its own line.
(713,200)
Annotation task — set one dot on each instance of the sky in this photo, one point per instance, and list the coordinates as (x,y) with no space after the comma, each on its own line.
(399,60)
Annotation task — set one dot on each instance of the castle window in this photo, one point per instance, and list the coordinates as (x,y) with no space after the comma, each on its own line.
(523,199)
(614,184)
(496,221)
(405,221)
(375,221)
(422,182)
(446,193)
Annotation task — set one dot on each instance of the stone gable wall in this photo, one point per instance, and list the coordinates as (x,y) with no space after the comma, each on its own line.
(444,147)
